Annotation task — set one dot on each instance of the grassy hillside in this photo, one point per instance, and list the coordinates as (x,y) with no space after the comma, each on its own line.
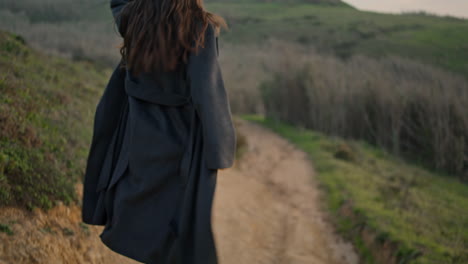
(392,211)
(84,29)
(80,30)
(342,30)
(46,113)
(47,107)
(315,2)
(262,32)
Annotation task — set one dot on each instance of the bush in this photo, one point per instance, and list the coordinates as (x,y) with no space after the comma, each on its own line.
(408,108)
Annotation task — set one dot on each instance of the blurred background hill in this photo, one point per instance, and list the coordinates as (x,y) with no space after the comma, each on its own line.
(397,84)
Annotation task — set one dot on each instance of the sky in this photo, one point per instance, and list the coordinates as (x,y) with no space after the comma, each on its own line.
(458,8)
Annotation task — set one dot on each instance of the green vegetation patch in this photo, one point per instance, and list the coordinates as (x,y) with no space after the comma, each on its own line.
(46,114)
(6,229)
(378,199)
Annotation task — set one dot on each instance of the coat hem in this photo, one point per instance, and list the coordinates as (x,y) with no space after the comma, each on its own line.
(123,252)
(119,251)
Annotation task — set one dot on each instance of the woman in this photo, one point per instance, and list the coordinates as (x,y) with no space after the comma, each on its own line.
(162,130)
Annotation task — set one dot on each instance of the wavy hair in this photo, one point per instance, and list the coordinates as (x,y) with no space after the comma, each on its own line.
(160,34)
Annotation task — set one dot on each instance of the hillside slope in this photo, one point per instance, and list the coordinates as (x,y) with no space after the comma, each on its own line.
(53,236)
(259,217)
(86,29)
(346,31)
(46,113)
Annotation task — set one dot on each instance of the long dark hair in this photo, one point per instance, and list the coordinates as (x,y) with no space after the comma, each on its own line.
(160,34)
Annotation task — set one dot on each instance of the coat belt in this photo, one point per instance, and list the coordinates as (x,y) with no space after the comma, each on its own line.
(153,95)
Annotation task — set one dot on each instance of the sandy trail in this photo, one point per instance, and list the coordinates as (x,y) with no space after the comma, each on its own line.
(267,208)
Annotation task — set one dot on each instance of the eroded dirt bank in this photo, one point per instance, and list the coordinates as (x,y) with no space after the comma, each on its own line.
(55,237)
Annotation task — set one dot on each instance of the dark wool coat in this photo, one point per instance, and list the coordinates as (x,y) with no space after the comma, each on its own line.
(157,146)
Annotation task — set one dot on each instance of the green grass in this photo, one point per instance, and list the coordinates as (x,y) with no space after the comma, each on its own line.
(6,229)
(344,31)
(422,213)
(46,114)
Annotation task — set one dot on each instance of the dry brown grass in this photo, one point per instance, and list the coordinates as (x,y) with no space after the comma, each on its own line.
(408,108)
(246,67)
(53,236)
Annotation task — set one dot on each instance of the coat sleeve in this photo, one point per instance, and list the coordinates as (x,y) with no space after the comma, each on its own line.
(116,7)
(211,102)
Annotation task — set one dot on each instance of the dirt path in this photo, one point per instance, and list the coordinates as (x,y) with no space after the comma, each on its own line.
(266,211)
(267,208)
